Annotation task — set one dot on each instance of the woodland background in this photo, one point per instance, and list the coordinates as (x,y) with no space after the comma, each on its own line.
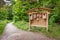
(17,12)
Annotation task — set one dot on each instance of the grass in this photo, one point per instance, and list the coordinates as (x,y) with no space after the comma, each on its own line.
(2,25)
(53,32)
(22,25)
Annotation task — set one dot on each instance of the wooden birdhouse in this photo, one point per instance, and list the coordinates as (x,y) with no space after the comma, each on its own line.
(39,17)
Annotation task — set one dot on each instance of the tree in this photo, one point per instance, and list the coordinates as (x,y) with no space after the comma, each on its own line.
(16,9)
(3,13)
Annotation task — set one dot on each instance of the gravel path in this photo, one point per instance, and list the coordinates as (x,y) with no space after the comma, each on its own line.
(13,33)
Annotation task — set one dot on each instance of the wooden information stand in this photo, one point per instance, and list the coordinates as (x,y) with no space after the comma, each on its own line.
(38,17)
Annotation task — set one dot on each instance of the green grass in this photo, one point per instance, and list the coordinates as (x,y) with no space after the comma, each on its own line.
(22,25)
(2,25)
(53,32)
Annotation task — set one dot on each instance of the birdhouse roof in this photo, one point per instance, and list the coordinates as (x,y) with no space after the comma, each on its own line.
(35,10)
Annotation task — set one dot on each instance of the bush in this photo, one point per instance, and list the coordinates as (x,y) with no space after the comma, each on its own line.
(2,25)
(3,13)
(22,25)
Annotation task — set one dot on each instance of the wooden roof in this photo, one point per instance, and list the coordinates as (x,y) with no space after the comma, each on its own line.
(38,8)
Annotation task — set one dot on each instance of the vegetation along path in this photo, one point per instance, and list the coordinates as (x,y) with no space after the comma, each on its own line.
(13,33)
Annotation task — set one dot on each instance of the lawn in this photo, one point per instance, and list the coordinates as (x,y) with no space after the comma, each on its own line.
(53,32)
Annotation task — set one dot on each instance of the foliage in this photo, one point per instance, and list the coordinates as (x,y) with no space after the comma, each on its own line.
(18,11)
(22,25)
(21,7)
(2,25)
(3,13)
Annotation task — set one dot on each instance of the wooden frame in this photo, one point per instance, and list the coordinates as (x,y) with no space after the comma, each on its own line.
(37,21)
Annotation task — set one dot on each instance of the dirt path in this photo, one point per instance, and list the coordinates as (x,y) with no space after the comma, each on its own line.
(13,33)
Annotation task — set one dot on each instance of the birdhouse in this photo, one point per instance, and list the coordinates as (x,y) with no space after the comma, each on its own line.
(38,17)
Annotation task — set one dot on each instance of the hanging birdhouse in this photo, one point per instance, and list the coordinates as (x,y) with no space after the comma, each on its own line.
(39,19)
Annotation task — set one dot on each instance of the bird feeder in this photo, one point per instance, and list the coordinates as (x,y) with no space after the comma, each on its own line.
(38,17)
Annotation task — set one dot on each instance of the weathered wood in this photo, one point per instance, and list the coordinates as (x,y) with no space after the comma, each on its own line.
(38,19)
(38,8)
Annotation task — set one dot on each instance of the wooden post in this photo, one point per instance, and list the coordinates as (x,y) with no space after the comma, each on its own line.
(47,23)
(29,23)
(47,20)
